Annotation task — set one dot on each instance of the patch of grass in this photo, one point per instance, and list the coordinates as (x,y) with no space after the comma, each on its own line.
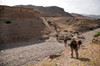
(60,53)
(7,22)
(45,63)
(96,35)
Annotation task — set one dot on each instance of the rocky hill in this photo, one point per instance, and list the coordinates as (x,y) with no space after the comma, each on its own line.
(20,24)
(81,24)
(24,24)
(49,10)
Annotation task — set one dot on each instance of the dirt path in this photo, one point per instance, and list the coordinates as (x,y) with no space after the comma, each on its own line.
(46,23)
(25,55)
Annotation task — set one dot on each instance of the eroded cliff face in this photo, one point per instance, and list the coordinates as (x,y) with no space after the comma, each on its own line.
(20,24)
(17,12)
(54,10)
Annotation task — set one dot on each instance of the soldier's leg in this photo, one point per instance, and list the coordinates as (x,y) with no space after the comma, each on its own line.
(65,44)
(76,52)
(71,52)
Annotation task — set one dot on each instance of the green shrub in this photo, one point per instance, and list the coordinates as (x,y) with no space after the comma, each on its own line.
(96,35)
(98,19)
(90,28)
(7,22)
(49,22)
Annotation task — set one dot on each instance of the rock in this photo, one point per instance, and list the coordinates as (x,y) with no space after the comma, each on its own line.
(61,37)
(2,51)
(46,37)
(53,34)
(65,30)
(96,40)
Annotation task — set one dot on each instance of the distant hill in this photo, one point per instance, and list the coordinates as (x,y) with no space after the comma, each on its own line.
(49,10)
(77,15)
(93,16)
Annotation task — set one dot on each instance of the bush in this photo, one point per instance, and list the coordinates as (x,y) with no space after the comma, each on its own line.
(98,19)
(49,22)
(96,35)
(90,28)
(7,22)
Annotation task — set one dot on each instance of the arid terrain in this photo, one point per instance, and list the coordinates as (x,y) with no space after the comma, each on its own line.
(28,53)
(28,36)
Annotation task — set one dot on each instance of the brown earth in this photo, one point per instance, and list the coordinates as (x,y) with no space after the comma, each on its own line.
(26,25)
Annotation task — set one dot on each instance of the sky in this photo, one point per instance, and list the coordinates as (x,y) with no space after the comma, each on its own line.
(71,6)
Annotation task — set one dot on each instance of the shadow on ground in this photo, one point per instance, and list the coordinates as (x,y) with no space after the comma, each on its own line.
(19,44)
(84,59)
(54,56)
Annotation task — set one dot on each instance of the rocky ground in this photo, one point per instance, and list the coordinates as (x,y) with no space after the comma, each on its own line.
(89,55)
(31,52)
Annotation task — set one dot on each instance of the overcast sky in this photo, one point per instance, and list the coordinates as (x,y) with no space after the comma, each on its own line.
(72,6)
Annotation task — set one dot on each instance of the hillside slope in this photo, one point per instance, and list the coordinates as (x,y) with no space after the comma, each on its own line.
(81,24)
(20,24)
(49,10)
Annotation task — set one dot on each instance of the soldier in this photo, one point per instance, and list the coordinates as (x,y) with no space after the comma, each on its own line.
(75,45)
(65,41)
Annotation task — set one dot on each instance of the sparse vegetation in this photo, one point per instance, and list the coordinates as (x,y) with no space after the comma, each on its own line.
(91,28)
(7,22)
(49,22)
(45,63)
(96,35)
(98,19)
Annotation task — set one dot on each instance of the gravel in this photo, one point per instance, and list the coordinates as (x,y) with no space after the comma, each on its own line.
(30,54)
(89,36)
